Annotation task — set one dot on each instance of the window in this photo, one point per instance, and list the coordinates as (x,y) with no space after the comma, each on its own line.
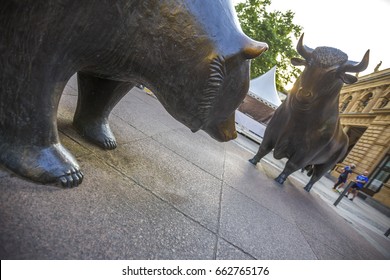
(363,102)
(345,103)
(384,101)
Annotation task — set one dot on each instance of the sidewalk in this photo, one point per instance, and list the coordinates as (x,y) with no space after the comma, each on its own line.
(368,221)
(168,193)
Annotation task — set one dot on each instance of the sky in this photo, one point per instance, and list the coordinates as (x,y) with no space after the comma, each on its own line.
(353,26)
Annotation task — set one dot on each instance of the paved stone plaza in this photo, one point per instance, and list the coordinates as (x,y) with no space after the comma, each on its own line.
(167,193)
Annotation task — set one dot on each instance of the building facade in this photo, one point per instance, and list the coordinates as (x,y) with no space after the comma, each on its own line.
(365,116)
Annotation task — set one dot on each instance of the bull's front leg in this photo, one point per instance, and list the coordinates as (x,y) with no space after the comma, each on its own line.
(289,168)
(264,149)
(318,172)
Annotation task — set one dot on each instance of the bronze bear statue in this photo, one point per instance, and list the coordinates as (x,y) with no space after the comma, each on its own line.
(192,55)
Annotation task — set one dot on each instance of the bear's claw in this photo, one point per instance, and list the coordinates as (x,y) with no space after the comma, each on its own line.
(71,179)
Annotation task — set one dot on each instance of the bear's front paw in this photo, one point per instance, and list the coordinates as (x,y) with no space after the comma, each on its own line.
(109,144)
(48,164)
(72,178)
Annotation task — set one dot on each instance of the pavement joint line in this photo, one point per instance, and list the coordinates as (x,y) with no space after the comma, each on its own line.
(75,140)
(368,237)
(287,221)
(319,241)
(220,207)
(353,220)
(343,213)
(238,248)
(254,201)
(156,195)
(217,235)
(194,164)
(184,214)
(144,187)
(129,124)
(348,219)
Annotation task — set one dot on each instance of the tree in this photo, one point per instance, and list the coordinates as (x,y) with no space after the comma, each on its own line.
(276,29)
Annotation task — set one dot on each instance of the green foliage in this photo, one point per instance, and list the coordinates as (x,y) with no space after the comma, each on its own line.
(276,29)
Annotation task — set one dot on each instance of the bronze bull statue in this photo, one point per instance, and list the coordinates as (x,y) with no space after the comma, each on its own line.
(193,56)
(306,127)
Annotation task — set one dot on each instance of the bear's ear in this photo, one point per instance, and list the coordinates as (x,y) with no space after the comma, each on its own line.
(298,61)
(348,79)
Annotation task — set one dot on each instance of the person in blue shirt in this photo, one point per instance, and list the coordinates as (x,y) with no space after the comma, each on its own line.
(358,184)
(343,177)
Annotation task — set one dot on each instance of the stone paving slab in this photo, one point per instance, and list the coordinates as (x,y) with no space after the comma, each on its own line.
(166,193)
(109,218)
(248,225)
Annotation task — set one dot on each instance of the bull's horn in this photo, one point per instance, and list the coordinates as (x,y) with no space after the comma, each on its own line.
(303,50)
(254,48)
(355,67)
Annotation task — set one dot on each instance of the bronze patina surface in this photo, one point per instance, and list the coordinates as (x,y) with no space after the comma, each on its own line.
(306,127)
(192,55)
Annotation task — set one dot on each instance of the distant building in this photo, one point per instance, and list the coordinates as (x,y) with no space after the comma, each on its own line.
(365,116)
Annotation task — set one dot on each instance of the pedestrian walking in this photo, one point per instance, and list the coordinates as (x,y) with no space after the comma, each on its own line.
(343,176)
(358,184)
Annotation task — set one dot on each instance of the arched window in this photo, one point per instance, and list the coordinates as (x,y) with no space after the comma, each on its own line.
(384,101)
(345,103)
(363,102)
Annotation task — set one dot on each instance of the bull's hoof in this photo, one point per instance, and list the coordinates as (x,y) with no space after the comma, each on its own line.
(253,161)
(280,179)
(97,132)
(52,164)
(307,187)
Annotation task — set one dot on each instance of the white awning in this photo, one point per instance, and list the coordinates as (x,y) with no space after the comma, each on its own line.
(263,88)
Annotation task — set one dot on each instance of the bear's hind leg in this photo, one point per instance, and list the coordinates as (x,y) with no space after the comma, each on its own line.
(97,97)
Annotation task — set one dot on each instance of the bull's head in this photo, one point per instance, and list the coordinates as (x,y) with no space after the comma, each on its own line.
(201,74)
(325,71)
